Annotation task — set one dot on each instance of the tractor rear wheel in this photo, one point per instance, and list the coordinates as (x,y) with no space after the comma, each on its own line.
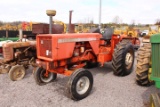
(143,65)
(123,58)
(80,84)
(17,72)
(40,78)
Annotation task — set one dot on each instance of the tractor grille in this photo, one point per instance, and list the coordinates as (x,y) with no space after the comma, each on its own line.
(8,53)
(156,60)
(45,45)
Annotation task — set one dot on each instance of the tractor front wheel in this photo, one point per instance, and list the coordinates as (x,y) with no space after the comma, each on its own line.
(80,84)
(123,58)
(41,78)
(17,72)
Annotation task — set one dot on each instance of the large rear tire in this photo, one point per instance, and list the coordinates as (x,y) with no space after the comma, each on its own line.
(123,58)
(143,65)
(80,84)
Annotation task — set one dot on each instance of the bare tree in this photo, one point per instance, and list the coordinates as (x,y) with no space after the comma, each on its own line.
(116,20)
(1,23)
(133,23)
(120,21)
(157,22)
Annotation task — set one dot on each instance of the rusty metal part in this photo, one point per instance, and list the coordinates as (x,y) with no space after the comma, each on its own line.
(32,62)
(20,44)
(8,49)
(17,72)
(40,28)
(72,27)
(57,29)
(4,68)
(43,28)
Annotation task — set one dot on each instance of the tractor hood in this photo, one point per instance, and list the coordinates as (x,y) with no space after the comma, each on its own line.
(155,38)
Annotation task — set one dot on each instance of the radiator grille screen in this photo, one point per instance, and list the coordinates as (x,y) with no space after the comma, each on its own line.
(45,44)
(156,60)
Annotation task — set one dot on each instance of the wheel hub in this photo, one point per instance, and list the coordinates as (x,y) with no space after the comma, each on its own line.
(82,85)
(128,59)
(46,78)
(18,73)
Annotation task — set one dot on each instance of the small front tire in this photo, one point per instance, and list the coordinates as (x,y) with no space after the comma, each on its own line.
(17,72)
(40,78)
(80,84)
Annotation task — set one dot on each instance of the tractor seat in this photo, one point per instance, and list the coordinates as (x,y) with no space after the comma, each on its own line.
(94,30)
(108,32)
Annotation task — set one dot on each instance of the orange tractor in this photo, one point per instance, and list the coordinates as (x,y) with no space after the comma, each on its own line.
(69,54)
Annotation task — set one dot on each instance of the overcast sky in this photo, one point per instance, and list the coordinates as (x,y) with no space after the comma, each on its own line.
(141,11)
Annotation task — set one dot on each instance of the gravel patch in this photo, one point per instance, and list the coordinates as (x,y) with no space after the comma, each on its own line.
(108,91)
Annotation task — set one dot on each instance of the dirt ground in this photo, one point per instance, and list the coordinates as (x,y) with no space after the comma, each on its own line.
(108,91)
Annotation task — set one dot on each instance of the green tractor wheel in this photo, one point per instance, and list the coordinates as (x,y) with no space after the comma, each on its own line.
(143,65)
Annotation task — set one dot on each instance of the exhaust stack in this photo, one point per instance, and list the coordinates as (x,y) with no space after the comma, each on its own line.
(70,19)
(50,13)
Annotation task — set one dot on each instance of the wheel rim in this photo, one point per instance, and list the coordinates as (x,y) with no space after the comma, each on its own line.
(82,85)
(129,59)
(44,78)
(18,74)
